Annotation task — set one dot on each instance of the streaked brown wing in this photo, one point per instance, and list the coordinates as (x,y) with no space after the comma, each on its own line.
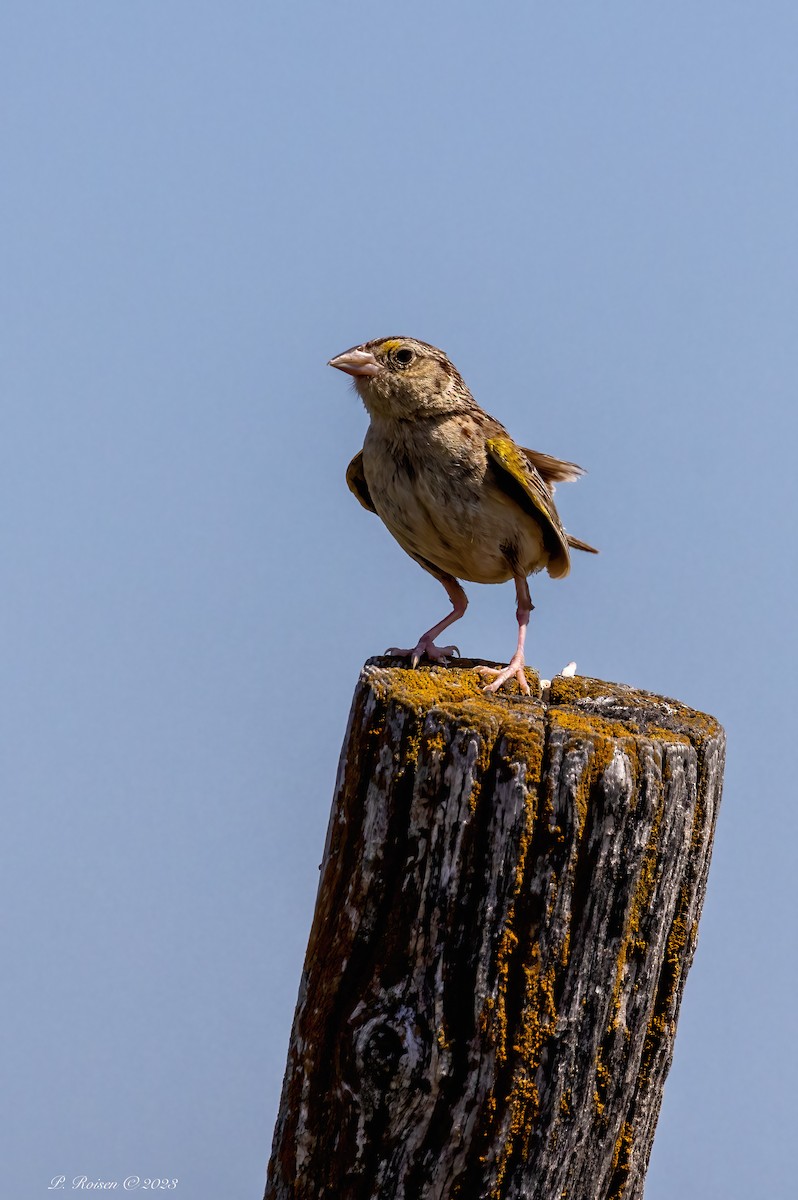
(520,480)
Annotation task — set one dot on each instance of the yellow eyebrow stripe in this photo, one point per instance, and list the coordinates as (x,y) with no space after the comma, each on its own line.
(391,344)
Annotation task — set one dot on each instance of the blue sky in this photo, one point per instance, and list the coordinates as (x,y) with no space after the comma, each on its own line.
(592,209)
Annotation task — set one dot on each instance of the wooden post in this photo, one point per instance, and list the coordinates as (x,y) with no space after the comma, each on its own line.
(507,911)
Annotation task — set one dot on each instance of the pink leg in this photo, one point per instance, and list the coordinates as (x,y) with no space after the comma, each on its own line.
(426,643)
(516,664)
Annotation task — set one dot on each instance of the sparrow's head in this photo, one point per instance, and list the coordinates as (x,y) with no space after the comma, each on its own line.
(400,377)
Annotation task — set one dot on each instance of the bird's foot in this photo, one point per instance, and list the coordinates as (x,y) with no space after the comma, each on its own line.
(515,667)
(425,649)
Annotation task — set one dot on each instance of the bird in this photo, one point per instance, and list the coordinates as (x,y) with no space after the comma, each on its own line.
(458,494)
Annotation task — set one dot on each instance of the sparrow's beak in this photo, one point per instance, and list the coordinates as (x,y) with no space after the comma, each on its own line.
(356,362)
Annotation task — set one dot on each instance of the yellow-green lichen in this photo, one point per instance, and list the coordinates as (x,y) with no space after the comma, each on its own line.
(455,695)
(632,942)
(694,726)
(621,1161)
(536,1028)
(681,937)
(603,1081)
(493,1019)
(455,690)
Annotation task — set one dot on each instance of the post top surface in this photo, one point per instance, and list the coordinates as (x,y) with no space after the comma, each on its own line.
(593,705)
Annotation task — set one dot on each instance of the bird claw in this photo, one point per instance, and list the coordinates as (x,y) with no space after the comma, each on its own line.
(424,650)
(500,676)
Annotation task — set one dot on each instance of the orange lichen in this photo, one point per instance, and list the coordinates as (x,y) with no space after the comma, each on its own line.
(621,1161)
(603,1081)
(537,1026)
(681,937)
(455,690)
(694,725)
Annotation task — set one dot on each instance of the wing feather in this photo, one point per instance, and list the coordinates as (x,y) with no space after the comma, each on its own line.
(520,480)
(356,482)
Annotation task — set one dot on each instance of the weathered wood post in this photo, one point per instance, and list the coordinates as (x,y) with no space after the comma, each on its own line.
(507,911)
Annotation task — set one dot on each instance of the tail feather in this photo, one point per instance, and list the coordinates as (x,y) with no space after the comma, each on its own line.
(552,470)
(576,544)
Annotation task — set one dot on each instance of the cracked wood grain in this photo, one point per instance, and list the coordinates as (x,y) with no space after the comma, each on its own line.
(507,910)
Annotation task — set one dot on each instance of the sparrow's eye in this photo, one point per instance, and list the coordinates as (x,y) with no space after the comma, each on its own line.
(404,356)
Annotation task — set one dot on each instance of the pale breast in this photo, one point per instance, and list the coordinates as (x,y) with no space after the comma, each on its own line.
(432,488)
